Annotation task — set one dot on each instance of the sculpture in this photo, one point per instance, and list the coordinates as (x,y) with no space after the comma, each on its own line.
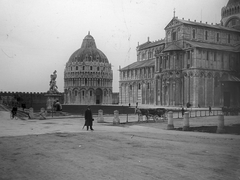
(53,83)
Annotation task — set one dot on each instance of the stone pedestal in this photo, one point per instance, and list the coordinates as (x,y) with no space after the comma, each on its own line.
(220,127)
(116,119)
(170,121)
(140,117)
(186,121)
(100,118)
(51,98)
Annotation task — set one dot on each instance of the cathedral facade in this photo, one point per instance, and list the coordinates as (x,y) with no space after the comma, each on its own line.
(197,63)
(88,76)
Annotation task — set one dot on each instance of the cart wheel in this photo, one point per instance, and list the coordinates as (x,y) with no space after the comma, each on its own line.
(156,118)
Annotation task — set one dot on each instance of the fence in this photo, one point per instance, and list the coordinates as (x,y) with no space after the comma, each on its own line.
(199,113)
(178,114)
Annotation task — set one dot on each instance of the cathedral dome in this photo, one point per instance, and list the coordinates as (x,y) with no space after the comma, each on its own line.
(88,52)
(231,2)
(231,14)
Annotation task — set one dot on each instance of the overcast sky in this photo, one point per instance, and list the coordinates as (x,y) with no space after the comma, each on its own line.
(38,36)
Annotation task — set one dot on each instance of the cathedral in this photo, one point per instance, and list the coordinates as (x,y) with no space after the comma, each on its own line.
(88,76)
(196,63)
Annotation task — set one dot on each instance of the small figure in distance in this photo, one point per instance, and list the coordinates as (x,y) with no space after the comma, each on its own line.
(183,111)
(14,111)
(88,118)
(58,106)
(189,105)
(23,106)
(136,108)
(210,109)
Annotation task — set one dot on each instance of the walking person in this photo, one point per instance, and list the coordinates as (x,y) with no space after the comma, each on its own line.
(210,109)
(183,111)
(88,118)
(14,112)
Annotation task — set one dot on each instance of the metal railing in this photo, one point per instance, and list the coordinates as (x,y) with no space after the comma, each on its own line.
(199,113)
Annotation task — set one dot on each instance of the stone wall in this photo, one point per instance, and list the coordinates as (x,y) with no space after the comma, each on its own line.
(36,100)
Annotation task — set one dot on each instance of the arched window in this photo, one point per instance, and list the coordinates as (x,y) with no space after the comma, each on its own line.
(206,35)
(218,37)
(194,33)
(130,87)
(174,35)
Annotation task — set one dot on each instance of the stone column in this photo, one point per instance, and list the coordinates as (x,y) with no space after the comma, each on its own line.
(116,119)
(170,121)
(186,121)
(31,113)
(100,118)
(220,128)
(174,92)
(42,114)
(163,94)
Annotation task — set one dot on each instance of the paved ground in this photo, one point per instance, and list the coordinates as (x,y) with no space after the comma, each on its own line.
(59,149)
(12,127)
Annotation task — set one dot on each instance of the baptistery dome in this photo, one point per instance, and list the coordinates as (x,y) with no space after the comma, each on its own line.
(88,52)
(88,75)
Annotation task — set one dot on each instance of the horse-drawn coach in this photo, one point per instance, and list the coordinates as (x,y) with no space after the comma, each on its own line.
(154,113)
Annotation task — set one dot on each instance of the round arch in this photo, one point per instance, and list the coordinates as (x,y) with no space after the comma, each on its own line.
(99,96)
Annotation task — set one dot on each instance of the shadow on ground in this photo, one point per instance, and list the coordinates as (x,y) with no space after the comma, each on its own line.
(230,129)
(233,129)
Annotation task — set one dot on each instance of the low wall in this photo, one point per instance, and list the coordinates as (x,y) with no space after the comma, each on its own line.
(107,109)
(30,99)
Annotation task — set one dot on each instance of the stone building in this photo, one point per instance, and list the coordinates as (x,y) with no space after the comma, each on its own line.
(200,64)
(137,80)
(88,76)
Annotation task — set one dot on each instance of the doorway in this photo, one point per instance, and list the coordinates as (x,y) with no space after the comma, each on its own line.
(99,96)
(226,99)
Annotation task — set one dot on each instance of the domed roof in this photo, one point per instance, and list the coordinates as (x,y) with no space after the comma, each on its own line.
(88,52)
(230,2)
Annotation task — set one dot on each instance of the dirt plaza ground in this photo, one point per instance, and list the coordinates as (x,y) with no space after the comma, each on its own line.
(59,149)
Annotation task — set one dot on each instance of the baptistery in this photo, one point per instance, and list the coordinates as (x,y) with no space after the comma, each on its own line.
(88,76)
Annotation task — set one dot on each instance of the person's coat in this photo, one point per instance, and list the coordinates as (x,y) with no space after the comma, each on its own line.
(88,117)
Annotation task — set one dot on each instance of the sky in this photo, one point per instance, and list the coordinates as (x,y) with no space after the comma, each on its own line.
(38,37)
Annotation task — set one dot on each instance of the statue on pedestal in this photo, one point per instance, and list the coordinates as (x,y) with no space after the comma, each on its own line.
(53,84)
(53,94)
